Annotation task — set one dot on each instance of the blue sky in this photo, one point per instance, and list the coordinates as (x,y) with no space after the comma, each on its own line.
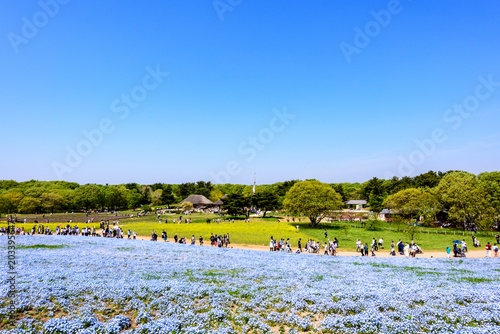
(340,91)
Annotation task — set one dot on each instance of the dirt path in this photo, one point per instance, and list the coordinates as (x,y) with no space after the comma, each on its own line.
(383,253)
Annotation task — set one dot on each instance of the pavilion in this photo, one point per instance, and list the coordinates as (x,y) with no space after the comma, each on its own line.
(198,201)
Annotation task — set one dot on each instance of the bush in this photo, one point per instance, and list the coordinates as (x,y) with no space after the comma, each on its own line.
(373,225)
(146,208)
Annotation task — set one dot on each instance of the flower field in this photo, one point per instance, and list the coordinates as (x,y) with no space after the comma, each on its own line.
(96,285)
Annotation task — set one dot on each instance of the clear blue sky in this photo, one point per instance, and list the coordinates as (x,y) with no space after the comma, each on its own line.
(359,101)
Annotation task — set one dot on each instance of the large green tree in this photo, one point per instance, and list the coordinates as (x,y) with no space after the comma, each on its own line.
(465,201)
(237,204)
(204,188)
(87,196)
(167,197)
(375,192)
(185,189)
(427,180)
(489,182)
(52,202)
(15,198)
(29,205)
(6,205)
(412,203)
(116,197)
(312,199)
(133,199)
(265,201)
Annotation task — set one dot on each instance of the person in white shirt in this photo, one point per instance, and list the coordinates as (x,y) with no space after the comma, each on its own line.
(407,250)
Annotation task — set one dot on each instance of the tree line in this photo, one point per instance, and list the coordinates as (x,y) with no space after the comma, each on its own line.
(463,197)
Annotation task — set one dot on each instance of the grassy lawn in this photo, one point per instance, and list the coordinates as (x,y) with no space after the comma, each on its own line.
(259,230)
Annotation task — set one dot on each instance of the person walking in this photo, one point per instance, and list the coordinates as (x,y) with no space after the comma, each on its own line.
(488,249)
(448,251)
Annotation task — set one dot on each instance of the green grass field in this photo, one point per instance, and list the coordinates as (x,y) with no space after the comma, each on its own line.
(259,230)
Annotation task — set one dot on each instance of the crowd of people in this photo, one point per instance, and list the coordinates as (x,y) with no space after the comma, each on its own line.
(311,246)
(215,240)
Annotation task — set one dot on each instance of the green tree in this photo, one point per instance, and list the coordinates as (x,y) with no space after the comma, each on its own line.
(396,184)
(427,180)
(35,192)
(146,192)
(8,184)
(204,188)
(186,189)
(412,203)
(29,205)
(52,202)
(6,205)
(167,197)
(265,201)
(157,186)
(352,191)
(339,188)
(215,195)
(116,197)
(375,192)
(155,196)
(187,206)
(313,199)
(237,204)
(87,196)
(489,182)
(465,201)
(15,198)
(132,186)
(133,199)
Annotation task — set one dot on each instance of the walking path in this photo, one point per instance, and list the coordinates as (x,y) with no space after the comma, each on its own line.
(383,253)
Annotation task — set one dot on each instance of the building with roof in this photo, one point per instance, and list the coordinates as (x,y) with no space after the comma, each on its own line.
(356,204)
(198,201)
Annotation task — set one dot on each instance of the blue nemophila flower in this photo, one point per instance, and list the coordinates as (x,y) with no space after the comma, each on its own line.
(95,285)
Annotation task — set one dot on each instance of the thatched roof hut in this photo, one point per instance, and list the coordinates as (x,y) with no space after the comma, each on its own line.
(198,200)
(219,202)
